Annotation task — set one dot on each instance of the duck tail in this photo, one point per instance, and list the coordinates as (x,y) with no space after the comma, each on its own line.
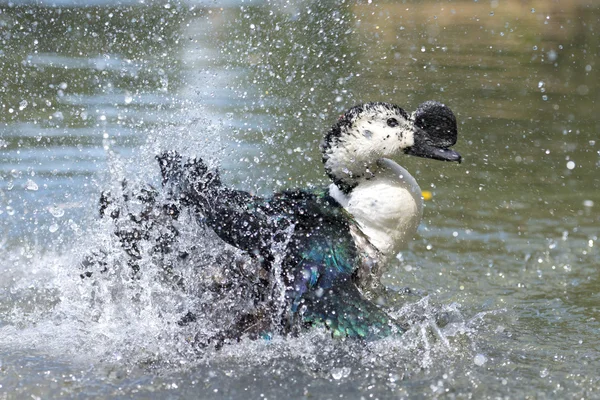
(346,313)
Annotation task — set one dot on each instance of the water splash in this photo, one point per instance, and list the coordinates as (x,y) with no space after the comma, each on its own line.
(118,316)
(168,307)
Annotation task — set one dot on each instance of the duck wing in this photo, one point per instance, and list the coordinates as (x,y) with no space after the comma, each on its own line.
(320,263)
(237,217)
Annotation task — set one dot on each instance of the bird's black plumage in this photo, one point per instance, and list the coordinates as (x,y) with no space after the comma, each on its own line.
(319,254)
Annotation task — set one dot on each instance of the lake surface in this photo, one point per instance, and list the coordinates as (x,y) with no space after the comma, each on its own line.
(505,289)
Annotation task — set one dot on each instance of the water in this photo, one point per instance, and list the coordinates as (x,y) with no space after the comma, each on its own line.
(503,272)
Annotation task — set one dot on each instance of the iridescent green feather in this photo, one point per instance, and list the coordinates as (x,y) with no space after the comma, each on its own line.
(323,290)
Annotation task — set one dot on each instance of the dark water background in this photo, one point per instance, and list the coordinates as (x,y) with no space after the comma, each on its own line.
(508,248)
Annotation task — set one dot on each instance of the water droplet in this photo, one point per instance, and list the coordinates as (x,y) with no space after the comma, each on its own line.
(571,165)
(53,228)
(588,203)
(31,185)
(479,359)
(339,373)
(56,212)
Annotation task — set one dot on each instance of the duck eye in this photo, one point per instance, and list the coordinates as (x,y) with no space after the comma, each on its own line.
(392,122)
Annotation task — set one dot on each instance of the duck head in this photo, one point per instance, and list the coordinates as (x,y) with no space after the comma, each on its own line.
(369,132)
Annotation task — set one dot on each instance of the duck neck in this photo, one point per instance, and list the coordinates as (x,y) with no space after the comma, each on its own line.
(386,205)
(348,173)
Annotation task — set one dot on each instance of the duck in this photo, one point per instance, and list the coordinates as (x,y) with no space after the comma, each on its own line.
(327,247)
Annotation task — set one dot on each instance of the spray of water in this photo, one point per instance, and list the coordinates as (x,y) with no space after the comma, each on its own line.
(142,287)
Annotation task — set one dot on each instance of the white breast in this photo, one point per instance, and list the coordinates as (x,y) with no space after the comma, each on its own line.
(387,208)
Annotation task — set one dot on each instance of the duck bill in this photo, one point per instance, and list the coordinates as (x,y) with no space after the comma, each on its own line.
(436,153)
